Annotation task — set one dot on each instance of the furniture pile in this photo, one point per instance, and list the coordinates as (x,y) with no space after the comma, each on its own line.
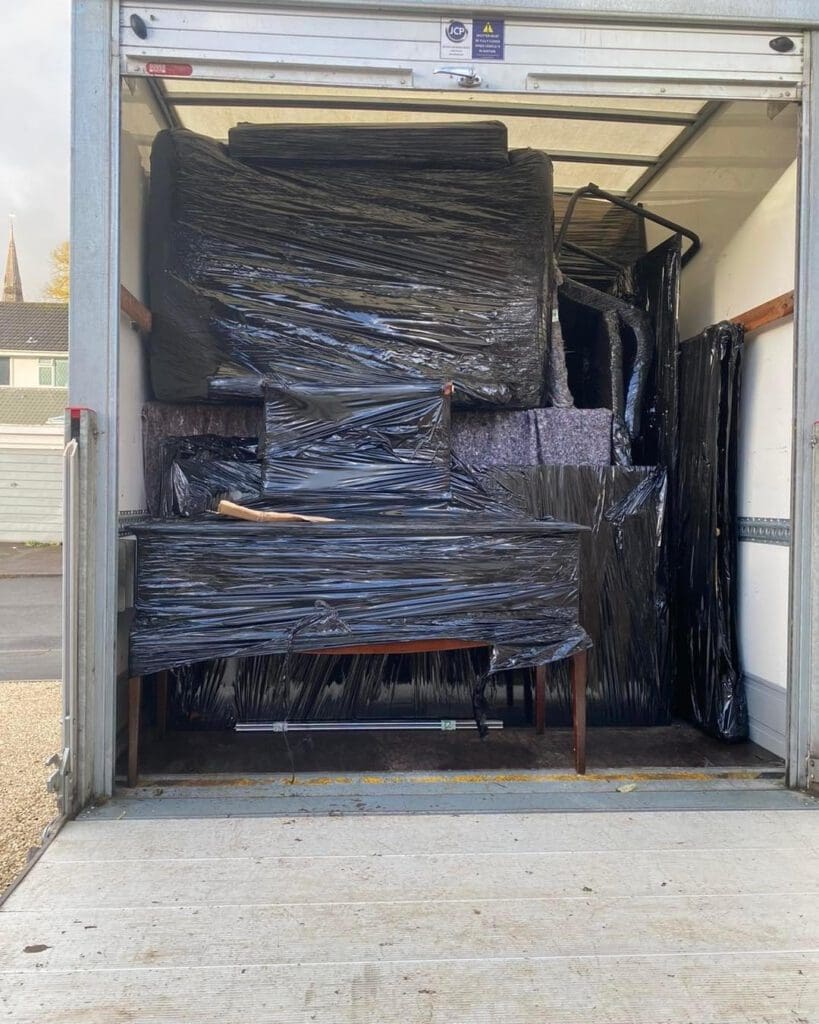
(381,327)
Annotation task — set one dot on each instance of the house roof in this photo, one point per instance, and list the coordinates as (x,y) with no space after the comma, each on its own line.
(33,406)
(33,327)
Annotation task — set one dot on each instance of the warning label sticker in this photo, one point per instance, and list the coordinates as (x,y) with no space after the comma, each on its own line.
(487,39)
(476,39)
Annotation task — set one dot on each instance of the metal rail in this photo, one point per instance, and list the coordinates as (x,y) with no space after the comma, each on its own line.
(440,725)
(593,191)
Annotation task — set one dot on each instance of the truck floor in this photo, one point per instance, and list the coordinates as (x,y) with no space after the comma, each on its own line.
(140,911)
(676,746)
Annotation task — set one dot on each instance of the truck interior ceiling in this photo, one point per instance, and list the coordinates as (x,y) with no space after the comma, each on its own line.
(313,224)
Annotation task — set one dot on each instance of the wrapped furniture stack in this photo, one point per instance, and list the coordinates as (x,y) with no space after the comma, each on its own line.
(367,323)
(339,311)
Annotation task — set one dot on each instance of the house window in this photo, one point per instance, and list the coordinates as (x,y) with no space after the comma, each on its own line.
(53,373)
(5,370)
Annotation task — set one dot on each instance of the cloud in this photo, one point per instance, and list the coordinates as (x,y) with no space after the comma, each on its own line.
(35,56)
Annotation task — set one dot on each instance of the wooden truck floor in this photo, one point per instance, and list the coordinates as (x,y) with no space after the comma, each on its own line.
(659,897)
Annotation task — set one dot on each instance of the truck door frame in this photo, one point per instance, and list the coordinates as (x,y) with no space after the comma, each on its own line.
(95,319)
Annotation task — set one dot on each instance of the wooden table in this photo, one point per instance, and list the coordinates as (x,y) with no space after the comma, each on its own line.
(577,672)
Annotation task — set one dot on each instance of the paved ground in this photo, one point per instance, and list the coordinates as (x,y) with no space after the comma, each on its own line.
(29,735)
(30,619)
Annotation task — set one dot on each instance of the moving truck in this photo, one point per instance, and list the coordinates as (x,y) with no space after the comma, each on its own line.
(704,114)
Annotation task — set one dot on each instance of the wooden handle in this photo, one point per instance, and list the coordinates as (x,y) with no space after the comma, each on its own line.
(257,515)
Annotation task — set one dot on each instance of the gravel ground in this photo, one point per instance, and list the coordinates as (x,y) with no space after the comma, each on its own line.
(29,734)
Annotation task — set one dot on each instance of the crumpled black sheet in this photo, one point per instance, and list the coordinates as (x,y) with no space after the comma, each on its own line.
(704,536)
(198,472)
(340,276)
(385,441)
(164,420)
(214,588)
(623,584)
(325,687)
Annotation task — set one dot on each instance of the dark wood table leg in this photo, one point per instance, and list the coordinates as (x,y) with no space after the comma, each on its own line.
(527,699)
(577,671)
(540,699)
(161,704)
(134,705)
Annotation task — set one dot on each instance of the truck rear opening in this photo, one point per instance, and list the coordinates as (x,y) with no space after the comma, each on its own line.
(724,170)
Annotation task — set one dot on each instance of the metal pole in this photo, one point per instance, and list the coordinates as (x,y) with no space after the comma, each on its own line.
(440,725)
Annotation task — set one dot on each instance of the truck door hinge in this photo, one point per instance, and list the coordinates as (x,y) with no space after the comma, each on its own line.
(62,765)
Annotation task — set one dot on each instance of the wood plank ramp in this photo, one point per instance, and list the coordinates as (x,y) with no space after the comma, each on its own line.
(643,916)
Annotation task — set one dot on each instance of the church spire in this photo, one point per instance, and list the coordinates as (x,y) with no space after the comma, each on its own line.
(12,285)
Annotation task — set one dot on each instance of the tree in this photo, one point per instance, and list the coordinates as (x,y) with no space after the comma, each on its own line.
(57,287)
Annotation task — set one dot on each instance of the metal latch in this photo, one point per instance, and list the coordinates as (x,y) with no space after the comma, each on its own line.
(468,78)
(62,763)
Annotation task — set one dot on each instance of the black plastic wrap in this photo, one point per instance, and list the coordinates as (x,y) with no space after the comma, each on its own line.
(465,144)
(340,276)
(388,440)
(202,695)
(609,353)
(623,585)
(653,284)
(199,472)
(210,588)
(467,493)
(704,536)
(324,687)
(163,420)
(556,386)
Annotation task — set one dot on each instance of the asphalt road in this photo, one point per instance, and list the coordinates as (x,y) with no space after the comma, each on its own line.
(30,617)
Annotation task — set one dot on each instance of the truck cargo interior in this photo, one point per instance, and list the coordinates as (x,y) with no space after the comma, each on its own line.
(659,420)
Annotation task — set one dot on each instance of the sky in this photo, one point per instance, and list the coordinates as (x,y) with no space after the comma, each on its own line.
(35,58)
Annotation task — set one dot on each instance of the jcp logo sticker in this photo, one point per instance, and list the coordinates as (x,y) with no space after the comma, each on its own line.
(456,31)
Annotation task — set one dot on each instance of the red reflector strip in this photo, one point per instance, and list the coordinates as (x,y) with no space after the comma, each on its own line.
(169,70)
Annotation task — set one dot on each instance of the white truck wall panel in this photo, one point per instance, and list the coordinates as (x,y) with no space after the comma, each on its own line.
(763,639)
(745,212)
(403,50)
(140,122)
(766,424)
(716,186)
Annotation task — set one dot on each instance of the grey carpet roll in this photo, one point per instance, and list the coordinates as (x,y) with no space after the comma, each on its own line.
(532,437)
